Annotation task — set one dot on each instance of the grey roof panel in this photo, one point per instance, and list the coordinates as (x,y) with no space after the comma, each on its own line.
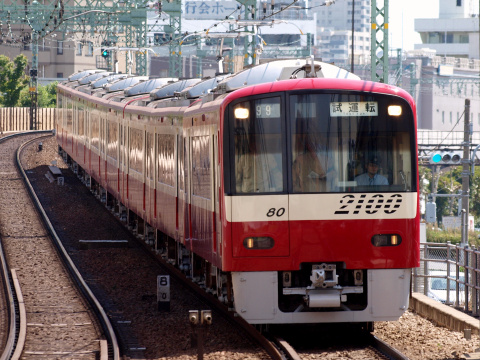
(147,86)
(202,88)
(170,89)
(92,77)
(124,83)
(81,74)
(105,80)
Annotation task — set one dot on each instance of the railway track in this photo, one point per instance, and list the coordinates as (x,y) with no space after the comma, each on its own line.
(105,277)
(273,351)
(357,345)
(54,309)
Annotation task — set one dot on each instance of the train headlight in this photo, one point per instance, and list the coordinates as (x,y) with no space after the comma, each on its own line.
(394,110)
(258,243)
(241,113)
(386,240)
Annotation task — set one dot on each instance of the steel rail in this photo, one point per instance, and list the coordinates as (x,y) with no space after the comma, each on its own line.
(12,296)
(75,274)
(213,302)
(10,300)
(386,349)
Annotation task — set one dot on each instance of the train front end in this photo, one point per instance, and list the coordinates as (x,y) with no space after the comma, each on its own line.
(321,201)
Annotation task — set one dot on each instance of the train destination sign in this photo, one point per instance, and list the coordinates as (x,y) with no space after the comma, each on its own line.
(354,108)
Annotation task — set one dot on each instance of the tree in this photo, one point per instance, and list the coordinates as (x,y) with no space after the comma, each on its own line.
(12,79)
(46,96)
(475,195)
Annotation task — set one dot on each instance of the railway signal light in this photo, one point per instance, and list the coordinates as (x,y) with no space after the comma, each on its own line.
(445,158)
(105,53)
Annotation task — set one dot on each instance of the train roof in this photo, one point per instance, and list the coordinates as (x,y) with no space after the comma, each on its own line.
(282,70)
(171,92)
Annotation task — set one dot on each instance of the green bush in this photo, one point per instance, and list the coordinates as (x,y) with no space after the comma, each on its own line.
(452,236)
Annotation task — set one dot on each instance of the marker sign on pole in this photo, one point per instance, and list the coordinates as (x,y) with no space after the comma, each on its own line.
(163,292)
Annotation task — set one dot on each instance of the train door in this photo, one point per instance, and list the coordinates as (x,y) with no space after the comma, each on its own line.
(151,195)
(68,123)
(80,148)
(217,225)
(201,196)
(124,160)
(120,159)
(180,188)
(102,166)
(259,207)
(188,188)
(86,155)
(76,109)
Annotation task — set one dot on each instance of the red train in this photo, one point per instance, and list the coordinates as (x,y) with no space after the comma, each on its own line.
(290,189)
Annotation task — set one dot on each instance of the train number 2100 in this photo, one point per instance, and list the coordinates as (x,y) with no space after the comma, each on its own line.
(370,205)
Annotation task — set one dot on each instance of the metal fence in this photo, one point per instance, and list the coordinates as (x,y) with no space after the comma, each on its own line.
(18,119)
(451,274)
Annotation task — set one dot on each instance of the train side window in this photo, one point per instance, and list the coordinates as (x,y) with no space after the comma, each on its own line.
(165,159)
(201,167)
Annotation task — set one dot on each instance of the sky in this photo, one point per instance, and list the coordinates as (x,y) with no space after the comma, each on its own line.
(401,21)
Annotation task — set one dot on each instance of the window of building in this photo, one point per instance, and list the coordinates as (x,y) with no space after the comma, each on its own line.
(463,39)
(443,117)
(89,49)
(60,75)
(79,49)
(459,2)
(60,47)
(450,117)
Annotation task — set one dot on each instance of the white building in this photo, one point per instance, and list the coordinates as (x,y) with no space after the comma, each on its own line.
(334,31)
(455,33)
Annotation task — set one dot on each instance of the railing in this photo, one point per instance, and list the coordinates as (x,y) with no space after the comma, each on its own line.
(18,119)
(445,138)
(458,270)
(460,63)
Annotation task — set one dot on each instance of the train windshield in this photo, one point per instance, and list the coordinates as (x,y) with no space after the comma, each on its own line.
(322,143)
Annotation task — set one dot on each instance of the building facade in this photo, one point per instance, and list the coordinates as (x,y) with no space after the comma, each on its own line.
(334,31)
(455,33)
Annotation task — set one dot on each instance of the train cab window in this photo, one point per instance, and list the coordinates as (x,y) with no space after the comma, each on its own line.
(351,143)
(320,142)
(257,146)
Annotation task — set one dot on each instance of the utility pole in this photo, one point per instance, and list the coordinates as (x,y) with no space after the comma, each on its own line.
(466,173)
(352,66)
(379,42)
(174,10)
(250,40)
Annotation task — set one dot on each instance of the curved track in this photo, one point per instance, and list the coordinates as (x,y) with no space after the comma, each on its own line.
(58,321)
